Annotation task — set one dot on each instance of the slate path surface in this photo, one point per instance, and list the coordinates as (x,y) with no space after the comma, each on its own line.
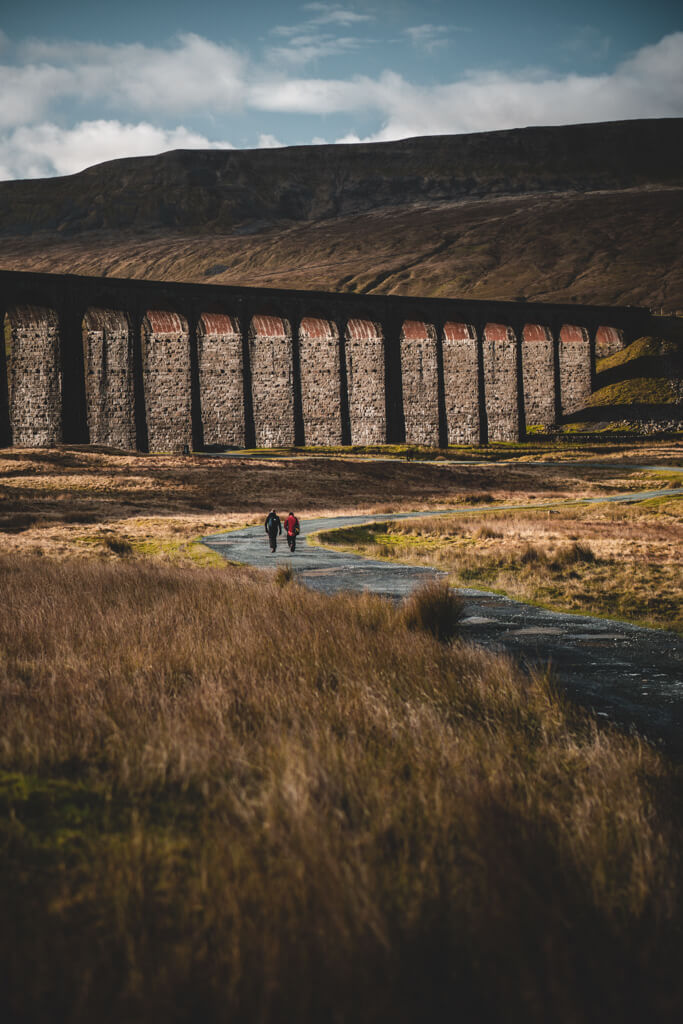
(631,675)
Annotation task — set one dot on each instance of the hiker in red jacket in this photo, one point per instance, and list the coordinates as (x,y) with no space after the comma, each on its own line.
(292,528)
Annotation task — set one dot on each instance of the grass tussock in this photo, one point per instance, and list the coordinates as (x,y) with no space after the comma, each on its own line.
(284,575)
(435,609)
(219,804)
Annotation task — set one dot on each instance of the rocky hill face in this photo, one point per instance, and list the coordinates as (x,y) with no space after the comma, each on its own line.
(589,213)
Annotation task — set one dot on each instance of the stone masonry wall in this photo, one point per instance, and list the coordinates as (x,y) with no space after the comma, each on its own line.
(320,367)
(608,340)
(365,377)
(35,377)
(272,381)
(539,375)
(575,368)
(500,383)
(108,366)
(166,380)
(221,379)
(420,381)
(461,383)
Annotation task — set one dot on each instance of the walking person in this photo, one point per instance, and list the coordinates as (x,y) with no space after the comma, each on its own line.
(273,528)
(292,528)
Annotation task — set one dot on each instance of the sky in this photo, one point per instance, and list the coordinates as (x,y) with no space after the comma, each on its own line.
(85,81)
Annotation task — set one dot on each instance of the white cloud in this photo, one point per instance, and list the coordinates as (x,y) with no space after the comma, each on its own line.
(192,75)
(306,48)
(334,14)
(138,87)
(39,150)
(266,141)
(313,95)
(650,84)
(428,37)
(307,41)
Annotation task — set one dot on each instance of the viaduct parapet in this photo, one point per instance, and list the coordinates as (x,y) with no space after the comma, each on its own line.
(159,365)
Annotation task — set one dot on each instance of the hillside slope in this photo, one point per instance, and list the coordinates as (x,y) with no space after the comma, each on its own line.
(589,213)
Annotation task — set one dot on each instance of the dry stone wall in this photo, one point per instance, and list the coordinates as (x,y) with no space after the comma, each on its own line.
(108,368)
(461,383)
(272,381)
(366,382)
(221,380)
(35,376)
(320,369)
(420,382)
(500,383)
(538,368)
(575,368)
(167,380)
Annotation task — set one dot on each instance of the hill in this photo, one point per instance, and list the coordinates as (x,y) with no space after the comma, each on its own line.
(640,386)
(586,213)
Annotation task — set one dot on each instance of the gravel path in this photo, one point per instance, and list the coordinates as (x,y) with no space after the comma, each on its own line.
(631,675)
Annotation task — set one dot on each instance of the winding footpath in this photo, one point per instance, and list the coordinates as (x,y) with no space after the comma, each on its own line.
(630,675)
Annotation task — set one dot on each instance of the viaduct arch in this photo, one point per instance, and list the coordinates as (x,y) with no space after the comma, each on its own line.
(160,365)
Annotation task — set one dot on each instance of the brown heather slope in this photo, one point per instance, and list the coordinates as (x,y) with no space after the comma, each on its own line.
(587,213)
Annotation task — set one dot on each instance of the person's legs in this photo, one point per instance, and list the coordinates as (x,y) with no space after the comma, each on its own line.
(291,541)
(272,537)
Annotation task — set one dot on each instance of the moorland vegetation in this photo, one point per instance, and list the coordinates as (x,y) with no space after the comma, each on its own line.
(241,801)
(225,796)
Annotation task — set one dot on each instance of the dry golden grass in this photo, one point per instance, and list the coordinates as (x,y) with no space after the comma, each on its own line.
(72,501)
(225,799)
(623,561)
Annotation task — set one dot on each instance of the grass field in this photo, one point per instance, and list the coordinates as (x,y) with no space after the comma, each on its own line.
(78,501)
(224,797)
(618,561)
(229,800)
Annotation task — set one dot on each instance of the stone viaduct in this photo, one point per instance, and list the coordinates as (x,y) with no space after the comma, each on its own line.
(160,365)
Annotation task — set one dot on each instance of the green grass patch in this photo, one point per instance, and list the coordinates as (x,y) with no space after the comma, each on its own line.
(642,348)
(194,551)
(637,391)
(548,561)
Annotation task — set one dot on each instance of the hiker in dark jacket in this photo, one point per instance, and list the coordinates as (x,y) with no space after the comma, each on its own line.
(273,527)
(292,529)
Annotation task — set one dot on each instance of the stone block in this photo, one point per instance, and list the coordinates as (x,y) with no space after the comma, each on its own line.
(108,369)
(538,366)
(420,382)
(501,369)
(221,379)
(461,383)
(272,381)
(366,382)
(35,376)
(320,369)
(166,378)
(575,368)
